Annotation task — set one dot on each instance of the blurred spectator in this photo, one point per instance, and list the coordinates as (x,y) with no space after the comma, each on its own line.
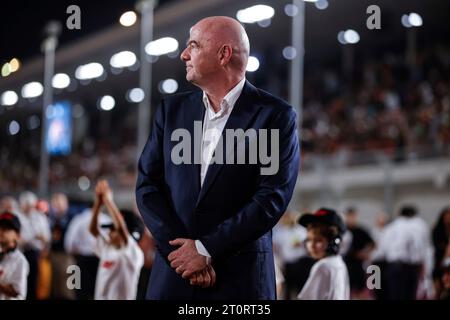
(405,245)
(288,241)
(357,255)
(441,236)
(80,243)
(445,278)
(9,204)
(148,247)
(35,235)
(121,259)
(328,279)
(377,257)
(60,260)
(14,267)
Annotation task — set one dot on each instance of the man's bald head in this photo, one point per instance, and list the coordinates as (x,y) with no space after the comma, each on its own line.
(221,30)
(221,40)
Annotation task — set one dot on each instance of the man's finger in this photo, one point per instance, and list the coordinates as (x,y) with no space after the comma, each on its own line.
(176,263)
(193,280)
(212,274)
(179,270)
(200,278)
(206,279)
(177,242)
(188,273)
(172,255)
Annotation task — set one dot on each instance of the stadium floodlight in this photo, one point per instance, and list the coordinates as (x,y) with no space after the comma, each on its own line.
(255,13)
(14,64)
(128,18)
(33,122)
(9,98)
(351,36)
(6,69)
(136,95)
(291,10)
(341,37)
(107,103)
(13,128)
(60,81)
(123,59)
(32,90)
(89,71)
(405,21)
(289,53)
(84,183)
(411,20)
(321,4)
(252,64)
(161,46)
(169,86)
(415,19)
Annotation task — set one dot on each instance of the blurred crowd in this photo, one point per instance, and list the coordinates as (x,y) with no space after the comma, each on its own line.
(402,258)
(398,259)
(56,235)
(389,106)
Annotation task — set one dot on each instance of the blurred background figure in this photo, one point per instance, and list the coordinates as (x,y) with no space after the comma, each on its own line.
(328,279)
(444,292)
(80,243)
(377,257)
(121,258)
(14,267)
(59,221)
(148,247)
(35,235)
(291,254)
(357,254)
(441,236)
(8,203)
(406,246)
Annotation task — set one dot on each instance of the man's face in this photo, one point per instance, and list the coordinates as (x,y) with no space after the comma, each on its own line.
(200,57)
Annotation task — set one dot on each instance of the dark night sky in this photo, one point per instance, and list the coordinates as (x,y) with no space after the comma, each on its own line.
(22,22)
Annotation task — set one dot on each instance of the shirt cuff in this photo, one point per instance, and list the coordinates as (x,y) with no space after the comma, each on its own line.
(202,250)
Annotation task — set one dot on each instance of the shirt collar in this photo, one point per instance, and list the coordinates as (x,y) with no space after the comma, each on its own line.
(227,102)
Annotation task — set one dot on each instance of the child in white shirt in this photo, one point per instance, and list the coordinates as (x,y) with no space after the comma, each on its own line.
(328,279)
(121,259)
(14,266)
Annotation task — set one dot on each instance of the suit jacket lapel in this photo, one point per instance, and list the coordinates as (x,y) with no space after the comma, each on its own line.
(244,110)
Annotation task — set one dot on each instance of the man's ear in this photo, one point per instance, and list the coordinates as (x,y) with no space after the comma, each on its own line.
(225,54)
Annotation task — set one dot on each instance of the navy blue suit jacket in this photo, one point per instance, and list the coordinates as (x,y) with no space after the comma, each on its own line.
(234,211)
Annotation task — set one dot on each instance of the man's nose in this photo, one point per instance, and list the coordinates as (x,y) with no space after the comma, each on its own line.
(184,55)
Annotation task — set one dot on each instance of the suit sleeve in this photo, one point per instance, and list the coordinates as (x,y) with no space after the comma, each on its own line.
(270,200)
(151,197)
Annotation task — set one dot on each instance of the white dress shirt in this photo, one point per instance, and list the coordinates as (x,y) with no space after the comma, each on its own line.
(406,240)
(33,225)
(213,124)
